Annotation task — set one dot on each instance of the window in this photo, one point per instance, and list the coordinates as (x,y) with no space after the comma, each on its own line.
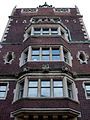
(54,31)
(57,88)
(37,31)
(69,86)
(66,57)
(35,54)
(55,54)
(62,33)
(45,54)
(21,87)
(3,90)
(25,56)
(45,31)
(87,88)
(33,88)
(45,88)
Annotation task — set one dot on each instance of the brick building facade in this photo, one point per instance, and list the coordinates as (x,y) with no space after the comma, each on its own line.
(45,65)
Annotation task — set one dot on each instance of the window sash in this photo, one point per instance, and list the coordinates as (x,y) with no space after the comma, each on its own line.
(87,86)
(3,90)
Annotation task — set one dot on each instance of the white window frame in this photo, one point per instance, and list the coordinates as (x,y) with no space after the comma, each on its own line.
(64,87)
(60,48)
(7,89)
(59,27)
(84,86)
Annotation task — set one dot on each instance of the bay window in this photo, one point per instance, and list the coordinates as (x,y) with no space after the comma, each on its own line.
(57,53)
(47,88)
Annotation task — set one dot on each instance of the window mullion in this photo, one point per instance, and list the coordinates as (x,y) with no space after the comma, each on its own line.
(40,54)
(59,32)
(25,91)
(32,31)
(51,88)
(61,53)
(65,88)
(50,53)
(39,87)
(16,91)
(29,54)
(49,31)
(74,91)
(41,31)
(70,58)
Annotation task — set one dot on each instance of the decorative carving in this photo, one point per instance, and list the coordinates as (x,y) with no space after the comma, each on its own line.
(82,57)
(9,57)
(45,67)
(45,5)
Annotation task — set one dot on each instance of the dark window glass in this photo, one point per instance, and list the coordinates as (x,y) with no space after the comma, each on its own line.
(21,88)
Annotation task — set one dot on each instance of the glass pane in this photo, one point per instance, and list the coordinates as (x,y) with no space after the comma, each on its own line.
(45,83)
(69,93)
(33,83)
(3,88)
(45,92)
(87,87)
(55,57)
(45,29)
(2,94)
(32,92)
(55,52)
(45,58)
(35,58)
(35,52)
(58,92)
(57,83)
(37,29)
(54,29)
(45,52)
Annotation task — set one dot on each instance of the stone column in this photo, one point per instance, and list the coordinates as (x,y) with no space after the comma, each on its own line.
(25,87)
(65,91)
(29,54)
(61,53)
(74,90)
(32,31)
(70,58)
(16,92)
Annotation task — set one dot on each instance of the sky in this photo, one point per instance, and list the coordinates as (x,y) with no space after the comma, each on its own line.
(6,7)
